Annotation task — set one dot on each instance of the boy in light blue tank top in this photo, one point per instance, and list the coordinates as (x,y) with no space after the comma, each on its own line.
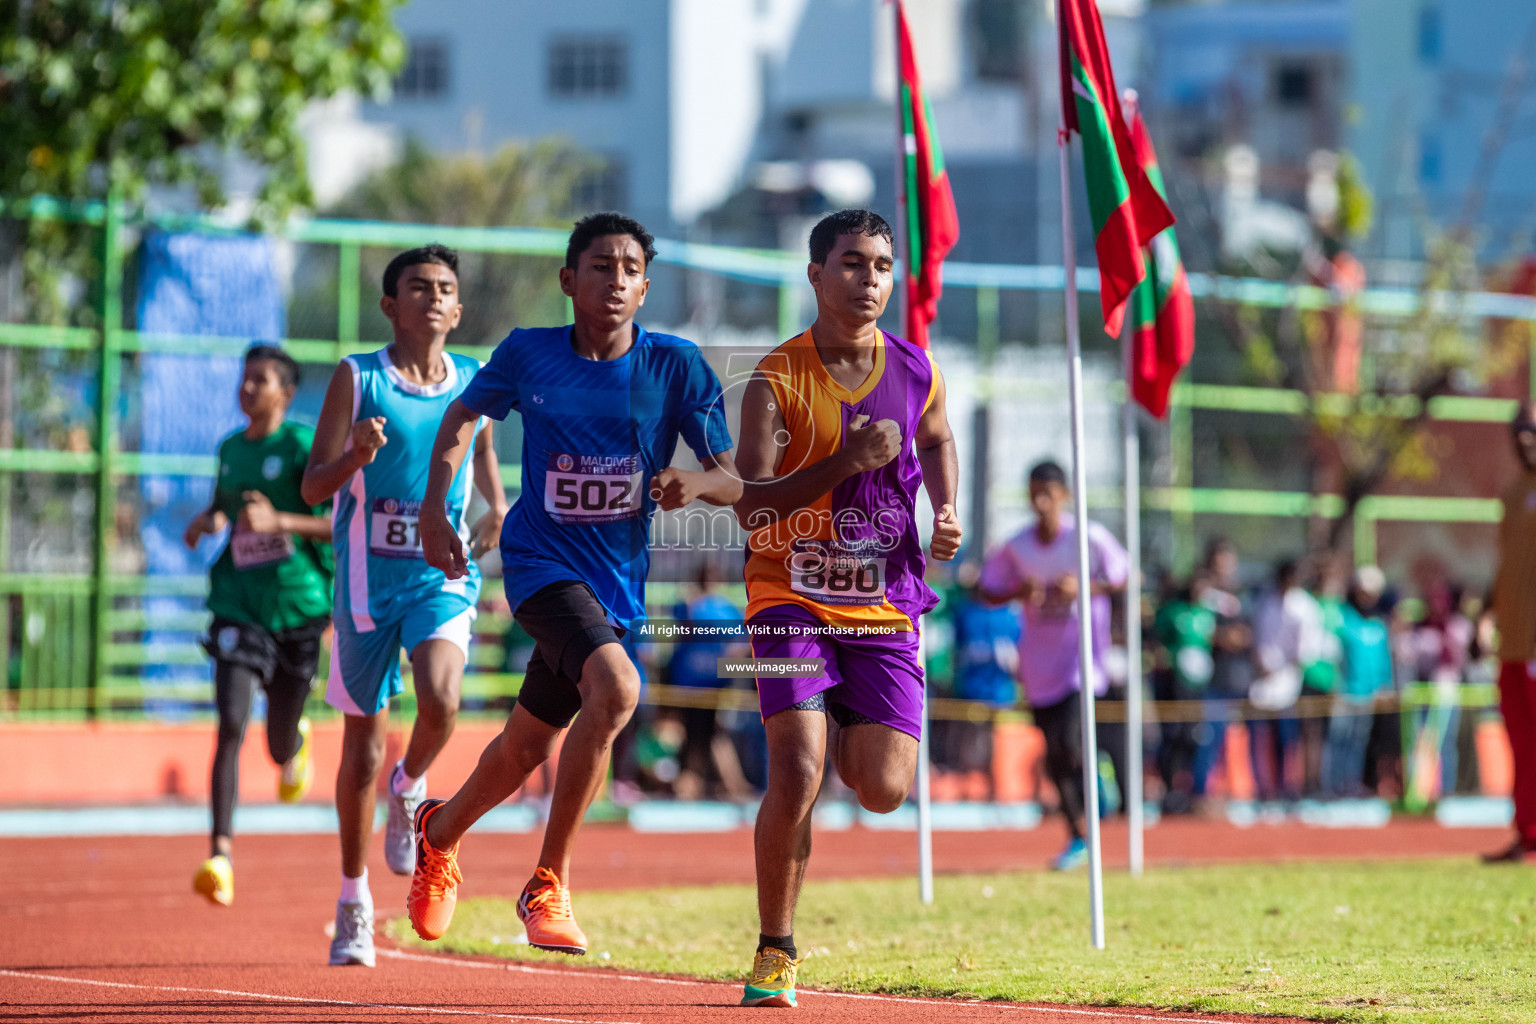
(371,452)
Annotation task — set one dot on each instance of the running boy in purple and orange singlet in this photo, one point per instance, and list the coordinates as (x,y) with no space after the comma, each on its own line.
(838,428)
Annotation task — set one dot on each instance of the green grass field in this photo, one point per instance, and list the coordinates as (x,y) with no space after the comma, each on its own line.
(1421,941)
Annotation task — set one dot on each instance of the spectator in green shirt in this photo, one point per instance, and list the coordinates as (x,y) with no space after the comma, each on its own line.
(1366,642)
(1185,628)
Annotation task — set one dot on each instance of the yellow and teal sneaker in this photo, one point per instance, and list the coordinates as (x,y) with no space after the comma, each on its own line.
(773,979)
(216,880)
(299,771)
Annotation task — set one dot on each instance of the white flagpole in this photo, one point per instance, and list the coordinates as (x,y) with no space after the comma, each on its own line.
(924,809)
(1131,785)
(904,256)
(1085,584)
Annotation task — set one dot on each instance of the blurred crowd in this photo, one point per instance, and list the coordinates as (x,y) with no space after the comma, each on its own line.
(1312,658)
(1296,670)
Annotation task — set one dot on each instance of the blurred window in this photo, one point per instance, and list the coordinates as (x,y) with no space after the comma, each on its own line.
(588,66)
(1293,85)
(997,35)
(1429,159)
(425,75)
(1429,34)
(604,188)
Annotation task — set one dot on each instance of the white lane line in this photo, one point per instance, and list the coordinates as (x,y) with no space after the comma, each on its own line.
(453,961)
(273,997)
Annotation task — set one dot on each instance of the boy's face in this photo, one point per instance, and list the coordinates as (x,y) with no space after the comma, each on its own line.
(608,283)
(262,390)
(855,283)
(426,301)
(1047,497)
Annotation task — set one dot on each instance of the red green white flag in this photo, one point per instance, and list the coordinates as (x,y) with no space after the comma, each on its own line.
(932,225)
(1162,309)
(1127,210)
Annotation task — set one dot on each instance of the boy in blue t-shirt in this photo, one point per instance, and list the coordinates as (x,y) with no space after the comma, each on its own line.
(603,403)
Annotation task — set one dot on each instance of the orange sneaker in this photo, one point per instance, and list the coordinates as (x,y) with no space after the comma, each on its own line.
(435,883)
(546,916)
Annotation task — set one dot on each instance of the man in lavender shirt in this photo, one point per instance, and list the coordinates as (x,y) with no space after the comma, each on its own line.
(1038,568)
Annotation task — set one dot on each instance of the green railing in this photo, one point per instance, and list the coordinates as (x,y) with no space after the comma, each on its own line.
(79,620)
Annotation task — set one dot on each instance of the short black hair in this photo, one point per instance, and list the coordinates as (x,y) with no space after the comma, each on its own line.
(599,225)
(433,253)
(846,222)
(1048,471)
(1288,570)
(287,367)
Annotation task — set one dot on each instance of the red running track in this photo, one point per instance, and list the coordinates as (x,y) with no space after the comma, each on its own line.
(109,929)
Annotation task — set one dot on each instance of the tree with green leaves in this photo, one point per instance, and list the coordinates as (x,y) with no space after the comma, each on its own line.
(530,184)
(104,98)
(111,94)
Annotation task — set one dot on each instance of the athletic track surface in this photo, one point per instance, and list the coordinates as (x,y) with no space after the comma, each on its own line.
(109,929)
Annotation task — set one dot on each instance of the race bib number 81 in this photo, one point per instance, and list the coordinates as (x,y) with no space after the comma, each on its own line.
(394,530)
(592,489)
(837,577)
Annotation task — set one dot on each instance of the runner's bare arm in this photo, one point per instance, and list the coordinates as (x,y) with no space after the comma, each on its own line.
(331,462)
(487,529)
(717,483)
(440,543)
(209,520)
(766,498)
(259,516)
(937,456)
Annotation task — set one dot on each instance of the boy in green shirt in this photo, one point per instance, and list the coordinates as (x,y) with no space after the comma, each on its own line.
(1185,627)
(269,592)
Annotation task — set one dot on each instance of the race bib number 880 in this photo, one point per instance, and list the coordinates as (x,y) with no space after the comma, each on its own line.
(592,489)
(837,577)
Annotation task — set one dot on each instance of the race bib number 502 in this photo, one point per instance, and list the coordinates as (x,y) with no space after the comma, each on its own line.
(592,489)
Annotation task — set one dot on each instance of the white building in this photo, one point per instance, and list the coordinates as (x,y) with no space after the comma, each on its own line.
(688,99)
(1427,78)
(668,92)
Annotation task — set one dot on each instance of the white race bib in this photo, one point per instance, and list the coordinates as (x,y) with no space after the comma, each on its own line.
(250,550)
(829,574)
(592,489)
(394,530)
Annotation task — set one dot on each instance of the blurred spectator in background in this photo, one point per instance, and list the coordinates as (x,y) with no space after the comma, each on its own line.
(624,759)
(1320,679)
(1184,629)
(1038,568)
(517,649)
(986,662)
(1513,603)
(1366,642)
(1288,635)
(707,761)
(1231,657)
(1435,652)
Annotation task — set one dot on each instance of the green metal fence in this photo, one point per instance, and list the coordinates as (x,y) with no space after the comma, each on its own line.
(78,651)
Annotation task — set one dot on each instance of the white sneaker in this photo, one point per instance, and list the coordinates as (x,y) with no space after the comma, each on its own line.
(399,828)
(353,941)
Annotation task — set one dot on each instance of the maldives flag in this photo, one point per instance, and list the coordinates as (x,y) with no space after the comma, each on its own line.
(933,227)
(1162,310)
(1127,211)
